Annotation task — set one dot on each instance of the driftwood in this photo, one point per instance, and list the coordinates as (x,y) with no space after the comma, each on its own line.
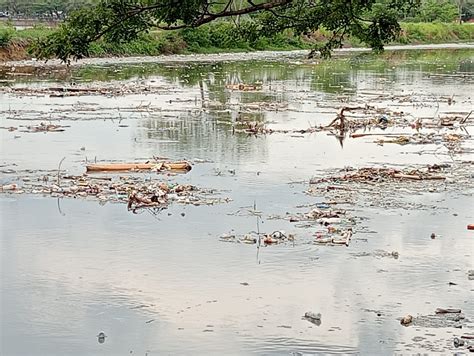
(42,127)
(446,311)
(111,167)
(244,87)
(407,176)
(136,201)
(342,125)
(375,134)
(76,90)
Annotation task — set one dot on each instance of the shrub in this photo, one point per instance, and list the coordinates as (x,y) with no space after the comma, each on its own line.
(437,10)
(6,35)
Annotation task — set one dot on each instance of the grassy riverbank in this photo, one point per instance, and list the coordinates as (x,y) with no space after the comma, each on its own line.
(223,37)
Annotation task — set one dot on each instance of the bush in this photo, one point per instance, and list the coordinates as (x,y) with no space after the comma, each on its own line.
(435,33)
(437,10)
(169,43)
(145,45)
(245,36)
(223,35)
(6,35)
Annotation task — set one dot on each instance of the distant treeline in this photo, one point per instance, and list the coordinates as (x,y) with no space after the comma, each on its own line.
(41,9)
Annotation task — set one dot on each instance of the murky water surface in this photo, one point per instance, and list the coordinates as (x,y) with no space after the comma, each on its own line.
(165,283)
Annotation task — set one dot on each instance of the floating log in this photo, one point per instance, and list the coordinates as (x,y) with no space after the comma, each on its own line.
(407,176)
(417,177)
(244,87)
(357,135)
(111,167)
(447,311)
(434,178)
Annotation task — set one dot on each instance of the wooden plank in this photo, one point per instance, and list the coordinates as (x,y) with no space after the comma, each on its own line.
(111,167)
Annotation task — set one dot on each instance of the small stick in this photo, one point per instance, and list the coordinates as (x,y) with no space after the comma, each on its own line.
(99,178)
(463,121)
(348,238)
(435,177)
(59,171)
(375,134)
(446,311)
(407,176)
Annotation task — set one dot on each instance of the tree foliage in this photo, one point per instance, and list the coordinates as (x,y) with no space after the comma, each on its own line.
(437,10)
(468,10)
(373,22)
(442,11)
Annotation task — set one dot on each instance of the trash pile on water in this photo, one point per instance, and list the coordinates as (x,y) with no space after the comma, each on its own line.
(379,175)
(101,89)
(333,226)
(388,187)
(42,127)
(372,117)
(128,187)
(254,237)
(442,318)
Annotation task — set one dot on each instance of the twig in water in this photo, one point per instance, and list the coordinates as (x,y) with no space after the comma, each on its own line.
(258,230)
(59,208)
(258,225)
(59,171)
(463,121)
(436,114)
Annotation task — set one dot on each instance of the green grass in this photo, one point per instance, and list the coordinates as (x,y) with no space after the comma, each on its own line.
(26,34)
(224,37)
(436,33)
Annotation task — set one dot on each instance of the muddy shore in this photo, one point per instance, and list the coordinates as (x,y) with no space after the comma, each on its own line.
(211,58)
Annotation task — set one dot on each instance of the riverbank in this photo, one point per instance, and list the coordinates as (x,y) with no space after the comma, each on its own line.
(219,57)
(220,38)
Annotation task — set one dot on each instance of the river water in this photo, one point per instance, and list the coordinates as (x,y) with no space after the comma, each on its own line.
(165,283)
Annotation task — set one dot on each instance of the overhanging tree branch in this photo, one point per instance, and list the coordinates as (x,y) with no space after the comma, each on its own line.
(209,17)
(123,20)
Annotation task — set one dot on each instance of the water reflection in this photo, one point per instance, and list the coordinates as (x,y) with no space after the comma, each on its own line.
(71,268)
